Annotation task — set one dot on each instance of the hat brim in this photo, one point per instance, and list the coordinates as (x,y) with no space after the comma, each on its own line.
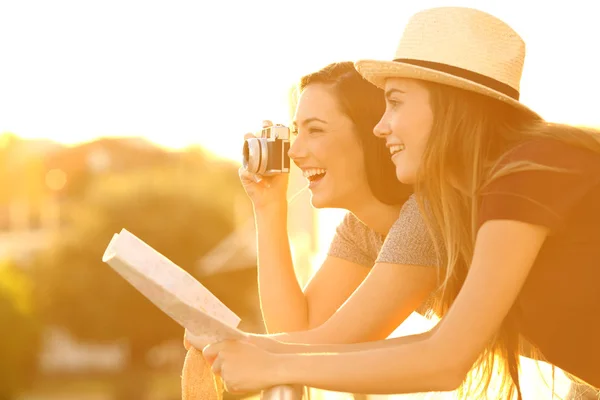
(377,72)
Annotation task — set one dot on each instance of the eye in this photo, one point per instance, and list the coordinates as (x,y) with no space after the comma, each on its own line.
(313,130)
(392,104)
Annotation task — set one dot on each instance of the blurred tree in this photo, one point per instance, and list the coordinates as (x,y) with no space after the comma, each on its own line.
(180,212)
(20,332)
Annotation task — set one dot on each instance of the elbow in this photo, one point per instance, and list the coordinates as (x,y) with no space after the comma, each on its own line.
(450,379)
(313,323)
(453,367)
(287,323)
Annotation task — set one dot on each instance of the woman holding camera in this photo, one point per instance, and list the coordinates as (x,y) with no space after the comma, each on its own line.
(346,167)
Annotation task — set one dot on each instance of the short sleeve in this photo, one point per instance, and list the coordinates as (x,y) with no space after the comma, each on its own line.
(409,241)
(541,197)
(355,242)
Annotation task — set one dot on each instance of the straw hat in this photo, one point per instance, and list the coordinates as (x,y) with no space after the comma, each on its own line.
(459,47)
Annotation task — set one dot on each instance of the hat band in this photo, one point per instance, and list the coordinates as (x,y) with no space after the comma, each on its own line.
(465,74)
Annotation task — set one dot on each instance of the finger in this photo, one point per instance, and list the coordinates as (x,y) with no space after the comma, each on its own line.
(244,173)
(266,123)
(211,359)
(217,366)
(228,385)
(247,175)
(186,343)
(211,351)
(199,342)
(232,388)
(249,136)
(255,339)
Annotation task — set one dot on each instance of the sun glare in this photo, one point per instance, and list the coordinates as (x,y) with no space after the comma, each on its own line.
(177,77)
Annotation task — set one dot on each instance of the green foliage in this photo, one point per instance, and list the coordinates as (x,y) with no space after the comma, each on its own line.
(180,212)
(20,338)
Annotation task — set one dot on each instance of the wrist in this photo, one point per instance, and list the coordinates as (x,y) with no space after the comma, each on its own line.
(292,340)
(271,210)
(279,346)
(288,365)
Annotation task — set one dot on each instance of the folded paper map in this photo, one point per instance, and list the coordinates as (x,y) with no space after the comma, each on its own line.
(171,288)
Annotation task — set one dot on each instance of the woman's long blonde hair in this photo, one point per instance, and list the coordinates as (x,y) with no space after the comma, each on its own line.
(470,134)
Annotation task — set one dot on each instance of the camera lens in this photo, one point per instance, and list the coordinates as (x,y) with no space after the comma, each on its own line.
(246,154)
(254,158)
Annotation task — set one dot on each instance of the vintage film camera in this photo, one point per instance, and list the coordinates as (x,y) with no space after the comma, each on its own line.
(267,154)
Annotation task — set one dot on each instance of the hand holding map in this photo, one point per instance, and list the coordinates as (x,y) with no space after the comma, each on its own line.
(171,289)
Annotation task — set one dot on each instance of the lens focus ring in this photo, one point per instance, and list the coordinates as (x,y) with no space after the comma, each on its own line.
(255,155)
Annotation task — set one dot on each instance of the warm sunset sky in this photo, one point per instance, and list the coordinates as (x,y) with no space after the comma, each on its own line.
(181,72)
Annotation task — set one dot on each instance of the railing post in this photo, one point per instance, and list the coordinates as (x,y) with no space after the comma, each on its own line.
(283,392)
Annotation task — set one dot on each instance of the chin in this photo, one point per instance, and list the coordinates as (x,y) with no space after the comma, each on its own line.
(405,177)
(319,202)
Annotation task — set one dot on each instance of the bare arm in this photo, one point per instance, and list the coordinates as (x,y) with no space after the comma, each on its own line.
(388,295)
(290,348)
(285,306)
(504,253)
(281,299)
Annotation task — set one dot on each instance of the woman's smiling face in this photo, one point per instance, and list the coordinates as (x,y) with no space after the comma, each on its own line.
(406,125)
(328,150)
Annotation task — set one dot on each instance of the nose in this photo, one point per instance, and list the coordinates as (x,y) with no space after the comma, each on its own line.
(297,149)
(382,129)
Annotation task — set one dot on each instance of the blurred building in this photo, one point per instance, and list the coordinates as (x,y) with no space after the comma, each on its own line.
(62,353)
(37,176)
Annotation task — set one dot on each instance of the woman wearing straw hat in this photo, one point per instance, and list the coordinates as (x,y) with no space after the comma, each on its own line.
(515,202)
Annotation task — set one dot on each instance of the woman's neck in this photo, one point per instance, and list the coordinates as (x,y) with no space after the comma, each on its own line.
(376,215)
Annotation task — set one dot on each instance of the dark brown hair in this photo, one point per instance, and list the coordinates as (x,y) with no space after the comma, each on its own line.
(364,104)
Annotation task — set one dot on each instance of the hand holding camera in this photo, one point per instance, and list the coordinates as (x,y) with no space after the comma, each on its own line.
(266,164)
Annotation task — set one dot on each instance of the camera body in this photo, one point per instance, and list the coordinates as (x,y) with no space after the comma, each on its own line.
(267,154)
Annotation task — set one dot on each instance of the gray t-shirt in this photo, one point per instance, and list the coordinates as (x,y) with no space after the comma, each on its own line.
(356,242)
(407,242)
